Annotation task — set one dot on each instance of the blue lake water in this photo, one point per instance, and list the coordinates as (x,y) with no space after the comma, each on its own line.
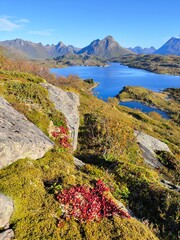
(115,76)
(144,108)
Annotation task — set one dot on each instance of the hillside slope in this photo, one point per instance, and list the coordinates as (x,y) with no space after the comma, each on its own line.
(114,169)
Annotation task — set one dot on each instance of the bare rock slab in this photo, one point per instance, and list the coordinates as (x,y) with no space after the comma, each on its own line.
(148,146)
(67,103)
(78,163)
(7,235)
(6,209)
(19,138)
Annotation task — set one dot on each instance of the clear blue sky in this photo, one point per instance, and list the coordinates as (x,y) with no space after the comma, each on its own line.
(78,22)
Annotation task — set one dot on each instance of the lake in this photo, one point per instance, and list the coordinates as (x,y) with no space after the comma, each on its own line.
(114,77)
(144,108)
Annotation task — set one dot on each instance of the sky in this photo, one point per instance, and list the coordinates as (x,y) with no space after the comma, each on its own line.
(132,23)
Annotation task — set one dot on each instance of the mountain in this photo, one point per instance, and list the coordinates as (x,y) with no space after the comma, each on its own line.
(171,47)
(106,48)
(140,50)
(32,50)
(61,49)
(28,49)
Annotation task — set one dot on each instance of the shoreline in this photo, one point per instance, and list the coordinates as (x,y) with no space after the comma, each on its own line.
(94,86)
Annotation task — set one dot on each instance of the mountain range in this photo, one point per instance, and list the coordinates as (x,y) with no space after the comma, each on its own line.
(171,47)
(140,50)
(106,48)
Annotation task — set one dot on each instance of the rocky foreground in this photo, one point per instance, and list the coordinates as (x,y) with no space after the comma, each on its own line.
(75,167)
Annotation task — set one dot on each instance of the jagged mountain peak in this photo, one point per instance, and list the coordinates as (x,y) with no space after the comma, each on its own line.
(61,44)
(106,48)
(171,47)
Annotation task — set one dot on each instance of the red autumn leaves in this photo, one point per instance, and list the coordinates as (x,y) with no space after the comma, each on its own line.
(61,134)
(86,204)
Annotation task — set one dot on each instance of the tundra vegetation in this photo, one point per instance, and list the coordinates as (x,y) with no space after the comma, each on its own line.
(153,63)
(107,145)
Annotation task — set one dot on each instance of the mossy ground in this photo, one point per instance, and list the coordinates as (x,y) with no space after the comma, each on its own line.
(37,211)
(107,144)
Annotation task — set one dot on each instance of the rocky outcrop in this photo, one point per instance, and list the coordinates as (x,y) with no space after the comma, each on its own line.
(6,210)
(7,235)
(78,163)
(67,103)
(170,185)
(148,146)
(19,138)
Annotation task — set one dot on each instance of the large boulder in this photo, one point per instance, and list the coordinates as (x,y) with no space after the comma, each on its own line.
(19,138)
(6,209)
(149,145)
(67,103)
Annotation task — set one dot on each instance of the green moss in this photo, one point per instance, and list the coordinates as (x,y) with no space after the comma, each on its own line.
(167,159)
(32,100)
(107,143)
(151,98)
(25,77)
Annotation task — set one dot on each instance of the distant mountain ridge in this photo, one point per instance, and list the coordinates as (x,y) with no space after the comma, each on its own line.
(38,51)
(105,48)
(171,47)
(140,50)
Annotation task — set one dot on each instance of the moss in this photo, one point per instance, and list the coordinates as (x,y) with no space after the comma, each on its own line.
(113,156)
(32,100)
(24,77)
(159,100)
(167,159)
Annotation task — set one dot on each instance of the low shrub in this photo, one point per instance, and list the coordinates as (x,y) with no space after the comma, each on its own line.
(86,204)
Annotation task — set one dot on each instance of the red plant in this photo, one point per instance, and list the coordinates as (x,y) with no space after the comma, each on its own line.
(87,204)
(61,134)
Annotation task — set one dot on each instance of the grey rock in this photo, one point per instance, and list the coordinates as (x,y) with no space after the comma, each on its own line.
(67,103)
(7,235)
(78,163)
(6,209)
(126,210)
(170,185)
(19,138)
(148,146)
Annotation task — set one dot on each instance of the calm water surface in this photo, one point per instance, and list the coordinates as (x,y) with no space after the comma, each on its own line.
(114,77)
(144,108)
